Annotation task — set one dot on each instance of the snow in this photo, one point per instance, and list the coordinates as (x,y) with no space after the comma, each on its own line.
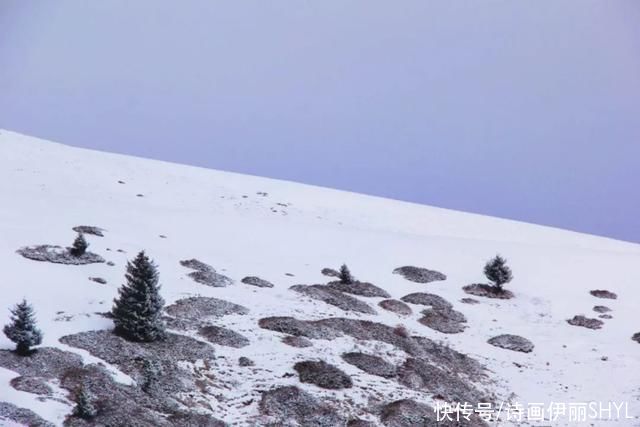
(46,189)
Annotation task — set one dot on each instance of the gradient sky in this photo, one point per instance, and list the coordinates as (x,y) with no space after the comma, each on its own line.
(524,110)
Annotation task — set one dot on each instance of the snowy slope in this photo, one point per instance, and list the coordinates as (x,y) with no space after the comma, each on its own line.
(220,218)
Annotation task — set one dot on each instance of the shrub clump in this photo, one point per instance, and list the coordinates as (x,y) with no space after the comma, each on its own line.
(603,293)
(290,403)
(334,297)
(363,289)
(421,298)
(58,255)
(222,336)
(205,274)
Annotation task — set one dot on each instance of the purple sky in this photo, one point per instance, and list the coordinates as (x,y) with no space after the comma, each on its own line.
(524,110)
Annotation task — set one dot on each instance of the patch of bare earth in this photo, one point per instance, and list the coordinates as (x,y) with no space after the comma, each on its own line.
(603,293)
(445,320)
(585,322)
(419,274)
(205,274)
(362,289)
(488,291)
(512,342)
(322,374)
(285,404)
(334,297)
(396,306)
(58,255)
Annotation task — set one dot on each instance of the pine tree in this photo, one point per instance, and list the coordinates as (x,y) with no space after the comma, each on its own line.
(80,246)
(151,373)
(137,312)
(498,272)
(345,275)
(84,406)
(22,330)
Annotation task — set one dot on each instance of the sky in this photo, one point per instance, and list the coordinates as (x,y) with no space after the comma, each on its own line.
(522,110)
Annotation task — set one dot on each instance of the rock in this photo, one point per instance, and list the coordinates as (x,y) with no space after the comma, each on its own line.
(98,280)
(290,403)
(419,275)
(299,342)
(396,306)
(223,336)
(421,298)
(484,290)
(601,309)
(605,316)
(469,301)
(602,293)
(512,342)
(636,337)
(322,374)
(580,320)
(334,297)
(256,281)
(205,274)
(360,288)
(370,364)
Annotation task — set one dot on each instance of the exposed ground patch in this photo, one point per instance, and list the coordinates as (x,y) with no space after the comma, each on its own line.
(256,281)
(512,342)
(284,404)
(370,364)
(223,336)
(484,290)
(22,416)
(419,274)
(299,342)
(408,413)
(322,374)
(421,298)
(58,255)
(601,309)
(445,320)
(89,229)
(636,337)
(585,322)
(205,274)
(363,289)
(396,306)
(334,297)
(603,293)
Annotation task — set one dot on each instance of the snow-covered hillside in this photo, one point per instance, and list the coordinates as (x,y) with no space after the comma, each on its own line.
(286,233)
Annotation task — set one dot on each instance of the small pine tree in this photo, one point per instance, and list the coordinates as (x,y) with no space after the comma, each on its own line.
(345,275)
(80,246)
(137,312)
(498,272)
(85,408)
(23,330)
(151,373)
